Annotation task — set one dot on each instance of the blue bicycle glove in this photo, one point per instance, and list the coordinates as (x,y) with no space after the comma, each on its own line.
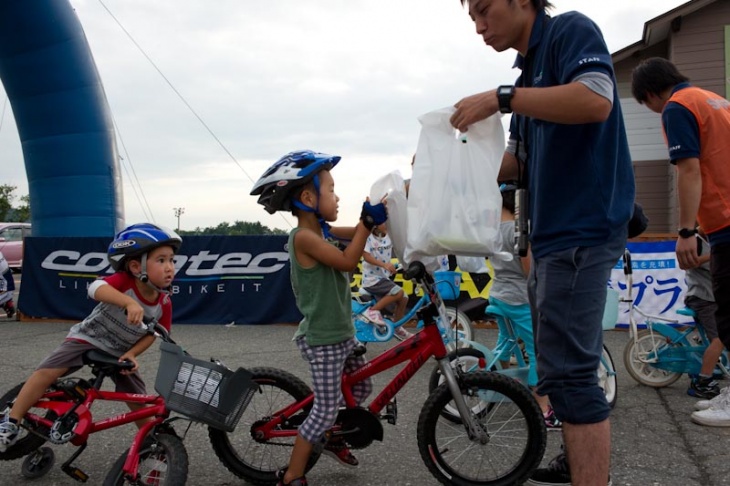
(373,215)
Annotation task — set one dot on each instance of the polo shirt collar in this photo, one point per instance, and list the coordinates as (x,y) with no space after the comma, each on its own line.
(538,28)
(680,86)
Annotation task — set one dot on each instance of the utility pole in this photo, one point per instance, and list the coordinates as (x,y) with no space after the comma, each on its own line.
(178,213)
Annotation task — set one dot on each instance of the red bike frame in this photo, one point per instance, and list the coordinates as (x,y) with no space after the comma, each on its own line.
(60,403)
(416,350)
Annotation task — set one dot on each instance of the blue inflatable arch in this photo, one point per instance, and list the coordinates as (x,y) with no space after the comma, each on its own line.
(63,120)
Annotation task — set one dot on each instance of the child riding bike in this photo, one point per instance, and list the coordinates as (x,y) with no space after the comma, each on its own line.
(301,182)
(509,295)
(376,272)
(142,257)
(7,286)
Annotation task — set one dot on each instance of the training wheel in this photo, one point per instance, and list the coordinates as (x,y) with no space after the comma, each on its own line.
(38,463)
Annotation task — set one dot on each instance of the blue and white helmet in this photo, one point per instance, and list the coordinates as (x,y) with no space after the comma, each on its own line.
(276,187)
(137,240)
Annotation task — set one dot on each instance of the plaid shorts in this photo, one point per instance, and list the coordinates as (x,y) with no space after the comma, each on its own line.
(327,363)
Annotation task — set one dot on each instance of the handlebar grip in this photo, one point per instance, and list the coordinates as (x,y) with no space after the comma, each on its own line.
(126,365)
(628,270)
(416,270)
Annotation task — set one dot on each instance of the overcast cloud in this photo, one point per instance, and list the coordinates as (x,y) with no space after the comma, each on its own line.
(267,77)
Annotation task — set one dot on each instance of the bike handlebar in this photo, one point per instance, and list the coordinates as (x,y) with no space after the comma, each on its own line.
(155,328)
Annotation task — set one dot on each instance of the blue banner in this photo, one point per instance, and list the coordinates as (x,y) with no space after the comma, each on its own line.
(219,279)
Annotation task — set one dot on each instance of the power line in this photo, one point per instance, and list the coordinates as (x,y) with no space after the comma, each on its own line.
(182,98)
(144,205)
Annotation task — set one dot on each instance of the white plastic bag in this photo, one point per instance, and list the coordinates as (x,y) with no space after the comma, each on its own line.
(454,203)
(393,185)
(470,264)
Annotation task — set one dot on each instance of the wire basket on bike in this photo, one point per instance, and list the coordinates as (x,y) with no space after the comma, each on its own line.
(201,390)
(448,284)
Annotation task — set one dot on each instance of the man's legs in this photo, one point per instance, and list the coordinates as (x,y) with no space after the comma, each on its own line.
(720,269)
(568,290)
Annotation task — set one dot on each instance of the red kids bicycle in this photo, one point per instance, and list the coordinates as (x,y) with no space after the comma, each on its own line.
(198,390)
(498,437)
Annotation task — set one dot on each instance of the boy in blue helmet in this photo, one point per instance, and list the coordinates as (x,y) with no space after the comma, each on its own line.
(142,257)
(301,182)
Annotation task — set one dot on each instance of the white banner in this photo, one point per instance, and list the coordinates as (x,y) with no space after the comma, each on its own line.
(658,286)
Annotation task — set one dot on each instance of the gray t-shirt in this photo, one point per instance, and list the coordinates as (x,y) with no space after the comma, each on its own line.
(699,280)
(509,283)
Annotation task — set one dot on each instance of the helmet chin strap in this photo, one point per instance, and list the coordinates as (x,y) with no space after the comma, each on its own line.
(145,279)
(322,223)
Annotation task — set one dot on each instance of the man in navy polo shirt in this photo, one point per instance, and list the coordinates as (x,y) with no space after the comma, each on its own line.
(568,148)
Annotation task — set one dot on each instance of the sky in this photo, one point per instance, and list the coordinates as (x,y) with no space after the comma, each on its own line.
(264,78)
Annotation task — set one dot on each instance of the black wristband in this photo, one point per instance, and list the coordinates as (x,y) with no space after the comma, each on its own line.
(505,94)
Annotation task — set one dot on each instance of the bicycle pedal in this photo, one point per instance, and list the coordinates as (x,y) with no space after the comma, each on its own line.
(75,473)
(391,412)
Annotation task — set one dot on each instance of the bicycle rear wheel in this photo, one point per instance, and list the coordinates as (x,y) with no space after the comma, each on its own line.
(257,461)
(163,461)
(461,324)
(648,346)
(515,433)
(27,442)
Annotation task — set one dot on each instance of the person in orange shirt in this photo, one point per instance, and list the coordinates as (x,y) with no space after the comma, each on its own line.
(696,125)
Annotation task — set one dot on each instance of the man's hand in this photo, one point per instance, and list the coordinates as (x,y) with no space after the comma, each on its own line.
(686,250)
(474,108)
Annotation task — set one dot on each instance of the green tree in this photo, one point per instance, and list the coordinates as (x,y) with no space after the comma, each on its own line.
(237,228)
(7,211)
(23,210)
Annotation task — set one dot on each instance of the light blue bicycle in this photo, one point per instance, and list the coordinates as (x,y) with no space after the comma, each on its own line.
(447,285)
(660,354)
(475,356)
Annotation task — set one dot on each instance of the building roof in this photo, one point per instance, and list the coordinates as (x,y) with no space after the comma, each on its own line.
(657,29)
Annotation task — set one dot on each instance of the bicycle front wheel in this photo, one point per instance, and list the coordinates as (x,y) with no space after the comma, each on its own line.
(639,354)
(512,440)
(163,461)
(607,377)
(464,360)
(258,460)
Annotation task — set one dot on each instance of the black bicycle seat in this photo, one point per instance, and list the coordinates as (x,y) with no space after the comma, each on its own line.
(100,358)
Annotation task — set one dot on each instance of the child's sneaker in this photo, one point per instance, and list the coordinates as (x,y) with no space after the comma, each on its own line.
(402,334)
(300,481)
(8,434)
(551,421)
(374,316)
(702,387)
(9,308)
(340,453)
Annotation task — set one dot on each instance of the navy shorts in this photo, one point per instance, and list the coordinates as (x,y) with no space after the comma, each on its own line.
(567,290)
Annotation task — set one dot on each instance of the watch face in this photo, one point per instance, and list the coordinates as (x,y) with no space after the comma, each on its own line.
(504,90)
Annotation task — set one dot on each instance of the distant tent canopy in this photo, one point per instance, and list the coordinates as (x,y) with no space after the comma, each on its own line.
(63,120)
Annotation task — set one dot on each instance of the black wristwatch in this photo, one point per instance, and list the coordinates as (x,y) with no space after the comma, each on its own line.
(505,94)
(686,232)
